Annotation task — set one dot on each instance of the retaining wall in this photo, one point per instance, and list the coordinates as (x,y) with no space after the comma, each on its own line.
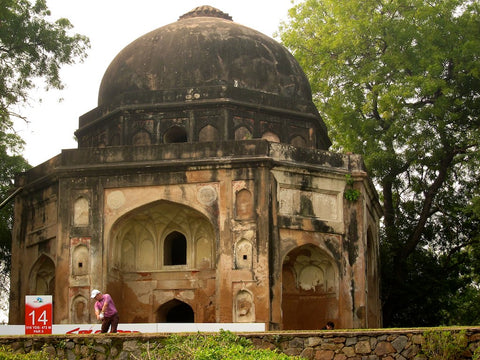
(385,344)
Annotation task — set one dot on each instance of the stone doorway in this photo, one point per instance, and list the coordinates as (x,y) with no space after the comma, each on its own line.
(309,289)
(175,311)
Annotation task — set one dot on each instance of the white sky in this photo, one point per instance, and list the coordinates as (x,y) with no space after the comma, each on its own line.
(111,25)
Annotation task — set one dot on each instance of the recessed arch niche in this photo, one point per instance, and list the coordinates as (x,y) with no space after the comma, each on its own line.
(244,205)
(81,211)
(42,277)
(79,310)
(243,254)
(298,141)
(270,136)
(80,260)
(208,133)
(244,309)
(242,133)
(155,251)
(309,289)
(143,237)
(142,137)
(175,134)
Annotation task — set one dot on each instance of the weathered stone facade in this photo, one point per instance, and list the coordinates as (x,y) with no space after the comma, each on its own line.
(208,196)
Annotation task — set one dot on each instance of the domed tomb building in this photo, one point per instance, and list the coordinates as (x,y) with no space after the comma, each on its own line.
(202,190)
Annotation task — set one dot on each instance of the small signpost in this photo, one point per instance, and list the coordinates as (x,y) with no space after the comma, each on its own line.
(38,314)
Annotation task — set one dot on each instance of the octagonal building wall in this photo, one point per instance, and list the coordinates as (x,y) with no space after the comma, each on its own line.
(248,222)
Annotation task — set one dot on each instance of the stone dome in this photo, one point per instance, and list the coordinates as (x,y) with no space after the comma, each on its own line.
(203,78)
(204,48)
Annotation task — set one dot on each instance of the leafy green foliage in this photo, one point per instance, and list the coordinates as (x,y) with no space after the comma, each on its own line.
(444,345)
(399,83)
(9,165)
(350,193)
(32,47)
(222,346)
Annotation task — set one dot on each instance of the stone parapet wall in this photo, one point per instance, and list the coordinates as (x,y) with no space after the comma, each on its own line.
(385,344)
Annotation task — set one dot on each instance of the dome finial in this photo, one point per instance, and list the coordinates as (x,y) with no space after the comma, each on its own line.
(205,11)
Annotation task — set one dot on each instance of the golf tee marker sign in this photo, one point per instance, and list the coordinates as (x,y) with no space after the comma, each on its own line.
(38,314)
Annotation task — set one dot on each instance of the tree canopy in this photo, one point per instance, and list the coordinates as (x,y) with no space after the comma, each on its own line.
(398,81)
(33,48)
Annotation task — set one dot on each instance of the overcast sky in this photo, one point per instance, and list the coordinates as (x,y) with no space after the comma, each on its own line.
(111,25)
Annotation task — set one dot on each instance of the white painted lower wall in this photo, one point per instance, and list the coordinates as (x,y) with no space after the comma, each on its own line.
(142,328)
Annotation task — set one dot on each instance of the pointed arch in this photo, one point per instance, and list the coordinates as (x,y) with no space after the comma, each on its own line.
(81,212)
(175,249)
(142,137)
(243,254)
(298,141)
(42,276)
(79,310)
(80,260)
(208,133)
(309,286)
(244,205)
(175,311)
(175,134)
(242,133)
(271,136)
(244,309)
(159,243)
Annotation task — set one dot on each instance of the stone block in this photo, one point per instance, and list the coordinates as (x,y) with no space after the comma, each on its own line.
(307,353)
(400,342)
(384,348)
(313,341)
(324,355)
(363,347)
(351,341)
(349,351)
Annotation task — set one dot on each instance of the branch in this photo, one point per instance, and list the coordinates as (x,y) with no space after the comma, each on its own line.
(430,194)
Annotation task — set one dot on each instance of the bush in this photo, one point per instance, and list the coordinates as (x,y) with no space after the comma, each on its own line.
(222,346)
(444,345)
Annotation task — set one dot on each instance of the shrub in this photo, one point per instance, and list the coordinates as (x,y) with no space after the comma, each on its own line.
(444,345)
(222,346)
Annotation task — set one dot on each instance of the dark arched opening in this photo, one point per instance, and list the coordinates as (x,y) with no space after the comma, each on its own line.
(175,311)
(175,249)
(175,134)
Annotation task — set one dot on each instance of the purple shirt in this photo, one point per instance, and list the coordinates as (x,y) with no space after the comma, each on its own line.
(110,310)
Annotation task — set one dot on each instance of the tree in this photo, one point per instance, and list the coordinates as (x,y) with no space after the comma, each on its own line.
(398,81)
(11,163)
(32,48)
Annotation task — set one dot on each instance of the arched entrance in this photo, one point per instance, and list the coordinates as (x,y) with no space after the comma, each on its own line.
(161,251)
(309,289)
(175,311)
